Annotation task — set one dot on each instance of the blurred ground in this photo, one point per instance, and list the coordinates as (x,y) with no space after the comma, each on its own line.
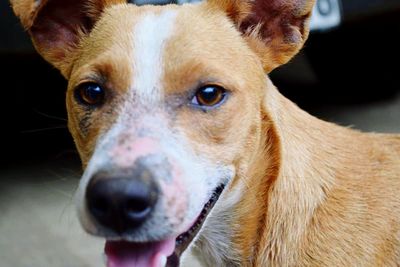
(38,225)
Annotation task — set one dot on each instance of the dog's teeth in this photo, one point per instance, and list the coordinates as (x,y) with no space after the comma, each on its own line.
(163,261)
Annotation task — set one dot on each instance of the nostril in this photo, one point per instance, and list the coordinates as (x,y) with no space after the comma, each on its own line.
(136,209)
(98,207)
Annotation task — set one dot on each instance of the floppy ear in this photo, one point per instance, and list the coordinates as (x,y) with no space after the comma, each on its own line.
(57,26)
(275,29)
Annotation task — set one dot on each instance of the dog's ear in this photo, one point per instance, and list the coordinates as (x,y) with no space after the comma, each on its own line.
(275,29)
(57,26)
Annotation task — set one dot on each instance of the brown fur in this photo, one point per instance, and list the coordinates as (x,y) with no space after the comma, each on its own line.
(315,194)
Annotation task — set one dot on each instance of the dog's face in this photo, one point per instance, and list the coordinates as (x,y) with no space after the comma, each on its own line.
(165,107)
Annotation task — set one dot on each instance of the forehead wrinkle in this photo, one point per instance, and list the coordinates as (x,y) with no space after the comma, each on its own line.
(150,35)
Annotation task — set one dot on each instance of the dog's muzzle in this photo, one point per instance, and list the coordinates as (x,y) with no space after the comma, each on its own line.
(144,203)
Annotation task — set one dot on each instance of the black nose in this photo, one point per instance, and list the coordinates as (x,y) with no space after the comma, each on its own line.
(121,203)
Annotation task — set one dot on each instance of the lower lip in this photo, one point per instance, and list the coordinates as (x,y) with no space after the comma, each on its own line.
(183,241)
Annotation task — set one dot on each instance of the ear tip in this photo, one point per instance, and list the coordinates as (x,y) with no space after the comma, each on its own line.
(25,10)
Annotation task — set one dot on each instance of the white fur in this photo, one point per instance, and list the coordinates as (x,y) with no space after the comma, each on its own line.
(98,160)
(213,245)
(37,3)
(151,34)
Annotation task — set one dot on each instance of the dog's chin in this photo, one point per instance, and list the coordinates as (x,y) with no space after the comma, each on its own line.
(157,254)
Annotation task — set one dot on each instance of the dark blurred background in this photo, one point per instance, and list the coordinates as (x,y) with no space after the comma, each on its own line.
(356,61)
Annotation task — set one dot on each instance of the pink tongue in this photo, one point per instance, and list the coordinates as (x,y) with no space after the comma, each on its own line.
(126,254)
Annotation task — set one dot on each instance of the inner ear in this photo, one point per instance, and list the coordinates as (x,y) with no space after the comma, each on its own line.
(278,19)
(57,26)
(275,29)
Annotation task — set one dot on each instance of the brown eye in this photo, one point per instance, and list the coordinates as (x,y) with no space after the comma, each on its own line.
(209,96)
(90,94)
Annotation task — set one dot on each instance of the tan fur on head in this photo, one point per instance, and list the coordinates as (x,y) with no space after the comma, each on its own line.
(26,10)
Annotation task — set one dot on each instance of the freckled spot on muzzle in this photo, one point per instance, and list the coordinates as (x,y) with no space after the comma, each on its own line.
(158,165)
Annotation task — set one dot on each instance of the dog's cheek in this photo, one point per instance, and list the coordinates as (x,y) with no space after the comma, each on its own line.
(221,135)
(74,129)
(80,124)
(175,198)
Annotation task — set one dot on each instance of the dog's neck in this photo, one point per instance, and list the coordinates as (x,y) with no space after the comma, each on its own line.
(299,186)
(279,193)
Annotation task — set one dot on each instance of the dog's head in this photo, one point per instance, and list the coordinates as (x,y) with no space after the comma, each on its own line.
(165,105)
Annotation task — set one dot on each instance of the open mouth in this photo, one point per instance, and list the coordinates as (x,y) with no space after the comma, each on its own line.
(158,254)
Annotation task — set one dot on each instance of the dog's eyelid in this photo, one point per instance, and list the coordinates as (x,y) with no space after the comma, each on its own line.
(208,83)
(92,78)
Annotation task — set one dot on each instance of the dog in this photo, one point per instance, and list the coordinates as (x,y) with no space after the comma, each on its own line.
(189,150)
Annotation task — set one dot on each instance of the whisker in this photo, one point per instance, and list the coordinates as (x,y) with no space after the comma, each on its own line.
(49,116)
(62,177)
(44,129)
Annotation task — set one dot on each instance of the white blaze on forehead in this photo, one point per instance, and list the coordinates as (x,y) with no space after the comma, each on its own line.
(150,35)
